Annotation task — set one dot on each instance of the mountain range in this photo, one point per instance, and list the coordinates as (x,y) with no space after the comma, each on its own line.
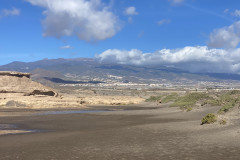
(89,70)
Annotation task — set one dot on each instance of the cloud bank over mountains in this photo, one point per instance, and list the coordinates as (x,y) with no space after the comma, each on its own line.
(90,20)
(223,58)
(193,59)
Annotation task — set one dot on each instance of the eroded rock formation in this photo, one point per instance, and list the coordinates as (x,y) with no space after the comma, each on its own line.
(43,93)
(17,82)
(14,74)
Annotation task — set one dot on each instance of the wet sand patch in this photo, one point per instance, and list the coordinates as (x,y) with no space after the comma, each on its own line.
(5,132)
(70,112)
(7,129)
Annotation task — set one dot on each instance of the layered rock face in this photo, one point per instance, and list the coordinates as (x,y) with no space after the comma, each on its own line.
(14,74)
(17,82)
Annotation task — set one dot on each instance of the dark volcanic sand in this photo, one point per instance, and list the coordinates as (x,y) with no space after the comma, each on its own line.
(150,134)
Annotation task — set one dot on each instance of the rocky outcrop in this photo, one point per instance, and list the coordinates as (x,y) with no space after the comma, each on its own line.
(17,82)
(14,74)
(42,93)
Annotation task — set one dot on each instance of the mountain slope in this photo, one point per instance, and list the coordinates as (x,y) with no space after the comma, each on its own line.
(89,69)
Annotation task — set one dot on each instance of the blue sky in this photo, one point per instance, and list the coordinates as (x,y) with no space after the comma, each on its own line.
(125,31)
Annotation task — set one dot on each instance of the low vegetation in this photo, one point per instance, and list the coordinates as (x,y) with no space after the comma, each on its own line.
(154,98)
(226,107)
(209,118)
(223,122)
(189,100)
(227,101)
(189,109)
(163,98)
(170,98)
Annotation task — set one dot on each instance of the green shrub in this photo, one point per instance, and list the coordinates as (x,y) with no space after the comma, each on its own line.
(189,109)
(154,98)
(189,99)
(223,122)
(209,118)
(234,92)
(225,108)
(227,100)
(232,96)
(214,102)
(170,97)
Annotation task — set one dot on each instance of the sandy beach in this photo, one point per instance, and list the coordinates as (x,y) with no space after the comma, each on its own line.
(136,132)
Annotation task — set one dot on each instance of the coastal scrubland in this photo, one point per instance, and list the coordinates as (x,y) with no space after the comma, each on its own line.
(226,100)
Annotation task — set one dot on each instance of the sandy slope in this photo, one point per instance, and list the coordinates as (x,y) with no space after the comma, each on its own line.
(63,101)
(18,87)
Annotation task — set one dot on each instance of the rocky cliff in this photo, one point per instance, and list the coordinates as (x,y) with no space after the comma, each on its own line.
(17,82)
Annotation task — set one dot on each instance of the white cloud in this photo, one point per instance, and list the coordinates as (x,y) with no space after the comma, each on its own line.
(90,20)
(236,13)
(130,11)
(9,12)
(175,2)
(163,21)
(194,59)
(227,37)
(226,11)
(66,47)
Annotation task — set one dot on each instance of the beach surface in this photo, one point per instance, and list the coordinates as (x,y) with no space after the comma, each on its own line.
(146,131)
